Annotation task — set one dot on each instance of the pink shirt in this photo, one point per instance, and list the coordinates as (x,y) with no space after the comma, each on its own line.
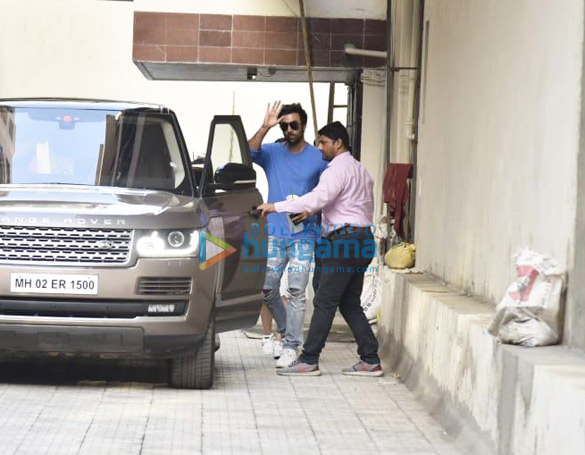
(344,194)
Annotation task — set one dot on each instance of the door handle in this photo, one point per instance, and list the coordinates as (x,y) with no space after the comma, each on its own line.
(255,213)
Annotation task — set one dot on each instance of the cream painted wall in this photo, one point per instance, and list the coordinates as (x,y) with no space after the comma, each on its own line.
(76,48)
(405,55)
(373,135)
(498,138)
(362,9)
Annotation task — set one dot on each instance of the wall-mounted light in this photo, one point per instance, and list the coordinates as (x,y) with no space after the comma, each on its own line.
(252,74)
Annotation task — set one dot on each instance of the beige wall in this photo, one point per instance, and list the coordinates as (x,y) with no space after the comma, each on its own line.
(498,138)
(74,48)
(83,49)
(373,133)
(362,9)
(406,31)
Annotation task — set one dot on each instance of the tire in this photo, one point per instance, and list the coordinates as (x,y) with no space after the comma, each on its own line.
(195,371)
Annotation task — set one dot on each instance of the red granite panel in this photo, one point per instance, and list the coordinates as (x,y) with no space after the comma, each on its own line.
(270,40)
(318,58)
(347,26)
(280,57)
(215,38)
(248,39)
(182,53)
(375,42)
(319,25)
(375,27)
(280,40)
(249,23)
(149,20)
(177,20)
(148,53)
(215,22)
(182,37)
(318,41)
(149,35)
(215,54)
(247,55)
(281,24)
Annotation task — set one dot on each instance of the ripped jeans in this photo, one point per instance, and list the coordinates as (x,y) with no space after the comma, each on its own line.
(294,257)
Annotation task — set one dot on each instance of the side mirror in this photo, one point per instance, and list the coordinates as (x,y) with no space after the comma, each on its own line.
(235,175)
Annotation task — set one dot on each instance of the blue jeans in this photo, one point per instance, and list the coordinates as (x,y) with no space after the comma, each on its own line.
(294,257)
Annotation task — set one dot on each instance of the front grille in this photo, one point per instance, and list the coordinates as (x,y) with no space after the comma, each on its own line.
(126,309)
(164,286)
(48,245)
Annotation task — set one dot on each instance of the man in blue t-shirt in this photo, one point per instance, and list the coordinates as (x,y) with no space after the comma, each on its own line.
(292,169)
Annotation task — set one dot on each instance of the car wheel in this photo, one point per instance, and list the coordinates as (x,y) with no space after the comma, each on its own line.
(195,371)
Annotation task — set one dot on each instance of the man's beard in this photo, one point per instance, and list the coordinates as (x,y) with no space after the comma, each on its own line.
(294,140)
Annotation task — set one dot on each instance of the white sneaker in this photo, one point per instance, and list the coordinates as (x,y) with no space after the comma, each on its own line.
(268,344)
(277,351)
(287,358)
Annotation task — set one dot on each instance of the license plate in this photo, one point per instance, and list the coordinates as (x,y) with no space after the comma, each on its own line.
(45,283)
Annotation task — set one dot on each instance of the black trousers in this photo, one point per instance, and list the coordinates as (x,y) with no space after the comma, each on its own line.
(338,282)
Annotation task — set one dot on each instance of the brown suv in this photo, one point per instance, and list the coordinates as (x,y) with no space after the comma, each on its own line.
(112,243)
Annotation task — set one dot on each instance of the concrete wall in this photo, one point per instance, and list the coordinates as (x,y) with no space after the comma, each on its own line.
(402,101)
(494,399)
(364,9)
(373,133)
(89,54)
(499,136)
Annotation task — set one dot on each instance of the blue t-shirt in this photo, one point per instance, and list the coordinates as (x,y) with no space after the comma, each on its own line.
(290,174)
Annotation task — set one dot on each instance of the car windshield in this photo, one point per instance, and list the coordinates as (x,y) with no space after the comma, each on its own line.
(127,149)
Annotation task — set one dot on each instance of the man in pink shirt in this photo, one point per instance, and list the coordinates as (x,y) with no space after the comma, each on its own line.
(344,194)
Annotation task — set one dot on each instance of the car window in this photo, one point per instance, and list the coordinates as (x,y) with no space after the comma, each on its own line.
(90,147)
(226,147)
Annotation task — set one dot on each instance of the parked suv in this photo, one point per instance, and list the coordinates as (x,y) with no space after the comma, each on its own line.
(112,243)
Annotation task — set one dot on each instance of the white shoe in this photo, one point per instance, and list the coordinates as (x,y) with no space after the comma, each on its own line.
(287,358)
(268,344)
(277,351)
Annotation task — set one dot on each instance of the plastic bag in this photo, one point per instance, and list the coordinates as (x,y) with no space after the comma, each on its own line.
(401,256)
(371,298)
(529,312)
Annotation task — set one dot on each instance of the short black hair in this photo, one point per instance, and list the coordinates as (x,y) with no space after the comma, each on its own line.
(335,131)
(295,108)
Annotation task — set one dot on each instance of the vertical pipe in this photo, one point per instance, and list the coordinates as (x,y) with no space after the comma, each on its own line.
(412,198)
(331,102)
(389,83)
(308,63)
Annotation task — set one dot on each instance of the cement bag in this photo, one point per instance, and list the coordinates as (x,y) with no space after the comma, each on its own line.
(371,298)
(401,256)
(529,313)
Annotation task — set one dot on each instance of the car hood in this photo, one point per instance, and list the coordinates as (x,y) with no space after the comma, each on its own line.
(68,205)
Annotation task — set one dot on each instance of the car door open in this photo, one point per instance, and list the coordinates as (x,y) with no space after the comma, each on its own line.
(234,239)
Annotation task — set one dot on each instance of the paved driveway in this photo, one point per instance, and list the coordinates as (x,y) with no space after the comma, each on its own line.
(111,407)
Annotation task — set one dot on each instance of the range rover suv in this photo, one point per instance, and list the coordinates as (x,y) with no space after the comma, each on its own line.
(114,244)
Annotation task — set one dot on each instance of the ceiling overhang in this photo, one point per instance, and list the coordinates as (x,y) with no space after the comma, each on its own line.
(221,47)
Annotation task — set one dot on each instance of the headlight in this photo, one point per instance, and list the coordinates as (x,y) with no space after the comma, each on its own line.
(168,244)
(176,239)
